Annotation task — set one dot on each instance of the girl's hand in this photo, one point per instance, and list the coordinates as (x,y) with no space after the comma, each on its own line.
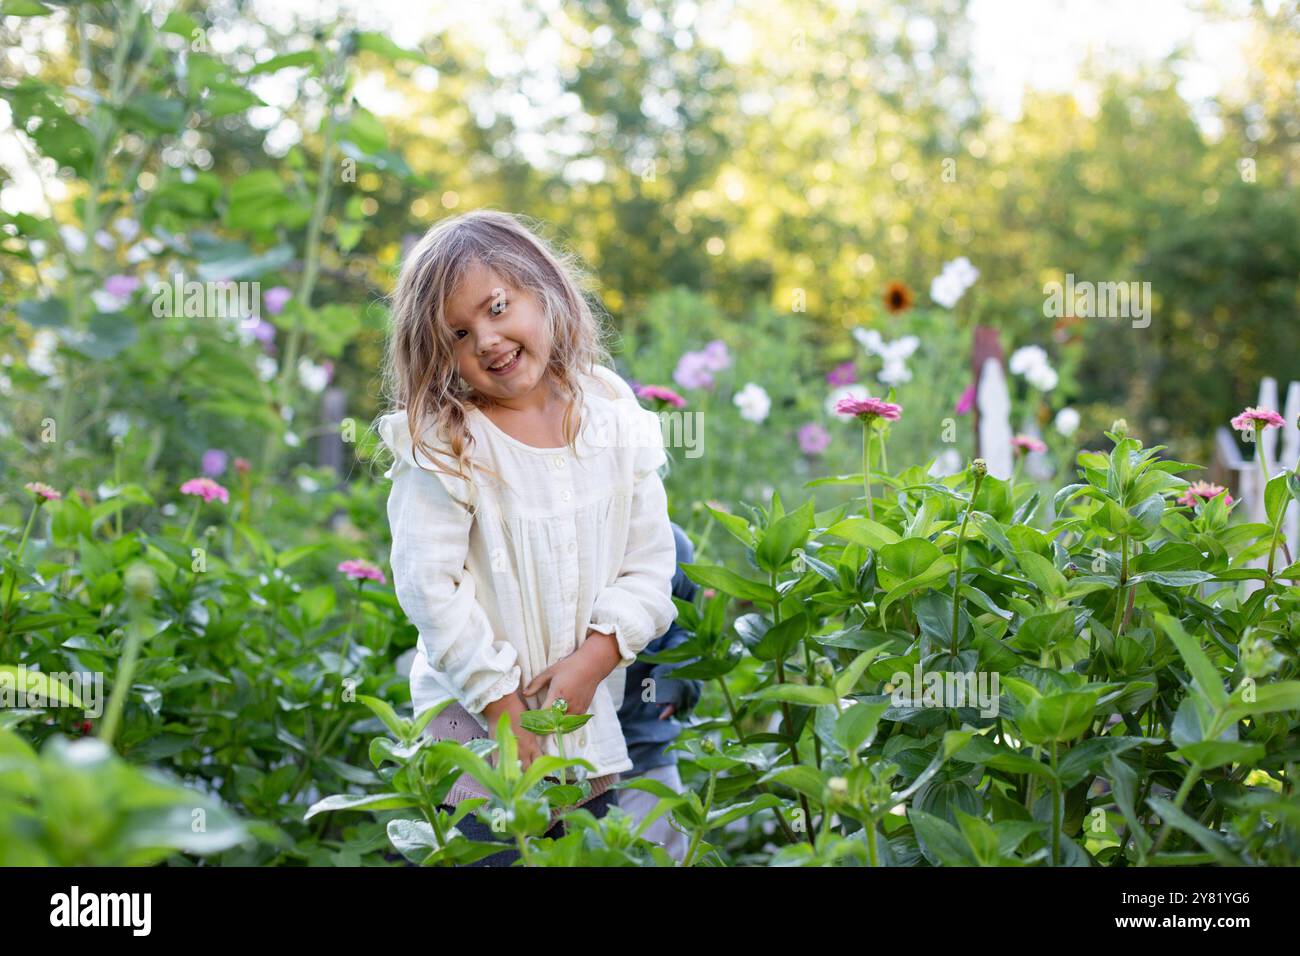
(576,677)
(530,748)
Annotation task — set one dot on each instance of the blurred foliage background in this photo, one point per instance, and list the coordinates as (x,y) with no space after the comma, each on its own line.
(844,148)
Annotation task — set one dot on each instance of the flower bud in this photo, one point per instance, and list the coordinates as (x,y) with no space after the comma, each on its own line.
(838,786)
(708,746)
(979,467)
(1120,427)
(140,582)
(560,705)
(825,671)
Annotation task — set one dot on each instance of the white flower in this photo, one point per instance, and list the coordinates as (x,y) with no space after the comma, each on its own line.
(37,248)
(267,367)
(74,240)
(952,282)
(964,272)
(894,353)
(314,377)
(119,423)
(138,253)
(1066,422)
(895,372)
(1043,378)
(104,239)
(869,339)
(945,290)
(292,440)
(855,390)
(753,403)
(40,357)
(127,228)
(1026,358)
(105,301)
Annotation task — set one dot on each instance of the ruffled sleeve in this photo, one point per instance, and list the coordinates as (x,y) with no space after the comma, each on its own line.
(395,431)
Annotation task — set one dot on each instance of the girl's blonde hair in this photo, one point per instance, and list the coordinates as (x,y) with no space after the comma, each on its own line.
(420,374)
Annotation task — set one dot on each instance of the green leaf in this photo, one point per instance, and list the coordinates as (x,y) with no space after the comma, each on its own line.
(736,526)
(780,639)
(845,682)
(864,531)
(807,695)
(778,541)
(380,44)
(373,801)
(940,841)
(384,711)
(1203,672)
(856,727)
(1208,840)
(729,582)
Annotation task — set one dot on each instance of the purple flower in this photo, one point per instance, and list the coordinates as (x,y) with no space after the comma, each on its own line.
(214,462)
(693,371)
(263,331)
(716,356)
(275,299)
(123,287)
(842,374)
(813,439)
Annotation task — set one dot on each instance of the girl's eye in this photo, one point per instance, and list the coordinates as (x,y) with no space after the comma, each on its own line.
(459,333)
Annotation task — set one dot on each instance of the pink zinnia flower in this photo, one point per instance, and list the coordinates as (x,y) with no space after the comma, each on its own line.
(1203,490)
(359,570)
(205,488)
(1261,418)
(967,401)
(242,465)
(842,374)
(1027,443)
(275,299)
(41,490)
(869,408)
(813,439)
(660,393)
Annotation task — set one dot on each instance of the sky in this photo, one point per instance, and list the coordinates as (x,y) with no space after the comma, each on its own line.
(1016,44)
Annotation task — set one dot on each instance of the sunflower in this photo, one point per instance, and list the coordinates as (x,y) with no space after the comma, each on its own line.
(898,297)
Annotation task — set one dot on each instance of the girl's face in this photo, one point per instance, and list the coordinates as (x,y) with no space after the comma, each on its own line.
(495,324)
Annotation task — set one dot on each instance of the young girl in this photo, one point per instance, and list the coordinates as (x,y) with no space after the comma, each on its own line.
(531,542)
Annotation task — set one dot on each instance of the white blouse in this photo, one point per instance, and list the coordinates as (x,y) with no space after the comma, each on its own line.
(561,545)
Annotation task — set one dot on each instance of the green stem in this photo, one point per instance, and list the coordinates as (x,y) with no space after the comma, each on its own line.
(961,540)
(872,854)
(1056,810)
(1189,781)
(1123,584)
(125,675)
(699,831)
(18,557)
(189,528)
(866,464)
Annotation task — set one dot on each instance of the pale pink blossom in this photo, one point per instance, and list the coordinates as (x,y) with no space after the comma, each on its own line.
(359,570)
(1198,491)
(1027,443)
(205,488)
(813,439)
(869,408)
(42,490)
(660,393)
(1261,418)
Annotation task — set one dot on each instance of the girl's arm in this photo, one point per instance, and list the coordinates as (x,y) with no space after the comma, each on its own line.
(638,606)
(430,532)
